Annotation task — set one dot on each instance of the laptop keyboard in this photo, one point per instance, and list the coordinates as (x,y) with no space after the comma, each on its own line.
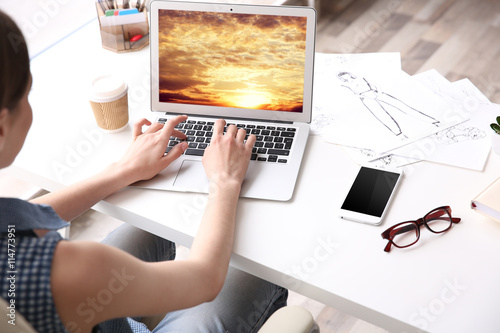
(273,143)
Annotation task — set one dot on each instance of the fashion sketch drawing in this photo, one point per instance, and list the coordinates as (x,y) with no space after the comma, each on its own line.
(382,105)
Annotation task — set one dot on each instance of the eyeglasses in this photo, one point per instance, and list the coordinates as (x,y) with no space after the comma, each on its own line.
(405,234)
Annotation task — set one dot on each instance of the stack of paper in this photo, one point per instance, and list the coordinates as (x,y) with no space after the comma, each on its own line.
(384,116)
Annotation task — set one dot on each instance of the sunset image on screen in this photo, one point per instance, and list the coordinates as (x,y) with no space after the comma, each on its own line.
(233,60)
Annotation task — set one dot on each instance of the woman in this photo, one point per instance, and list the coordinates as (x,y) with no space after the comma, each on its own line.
(85,286)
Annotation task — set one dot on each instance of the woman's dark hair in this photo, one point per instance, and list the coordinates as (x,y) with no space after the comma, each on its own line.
(14,63)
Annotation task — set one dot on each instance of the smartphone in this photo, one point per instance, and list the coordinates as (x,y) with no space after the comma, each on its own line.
(370,195)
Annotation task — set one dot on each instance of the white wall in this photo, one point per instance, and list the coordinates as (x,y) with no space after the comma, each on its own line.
(44,22)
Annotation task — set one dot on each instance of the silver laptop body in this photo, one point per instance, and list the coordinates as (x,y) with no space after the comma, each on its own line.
(251,65)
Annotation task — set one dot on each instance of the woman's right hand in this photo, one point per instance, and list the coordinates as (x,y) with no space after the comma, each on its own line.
(226,159)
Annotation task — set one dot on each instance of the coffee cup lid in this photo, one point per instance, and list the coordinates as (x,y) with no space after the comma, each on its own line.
(107,88)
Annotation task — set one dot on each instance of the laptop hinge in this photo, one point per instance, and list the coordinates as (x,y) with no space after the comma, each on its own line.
(235,118)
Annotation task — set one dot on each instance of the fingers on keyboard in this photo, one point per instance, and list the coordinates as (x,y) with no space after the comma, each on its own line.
(273,143)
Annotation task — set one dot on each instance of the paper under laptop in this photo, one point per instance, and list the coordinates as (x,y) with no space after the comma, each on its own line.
(248,64)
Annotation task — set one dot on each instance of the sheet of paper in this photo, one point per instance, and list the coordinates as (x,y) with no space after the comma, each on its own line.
(377,111)
(462,94)
(373,63)
(465,145)
(472,93)
(370,158)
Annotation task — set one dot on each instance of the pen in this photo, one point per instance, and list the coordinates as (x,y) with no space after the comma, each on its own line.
(106,4)
(102,6)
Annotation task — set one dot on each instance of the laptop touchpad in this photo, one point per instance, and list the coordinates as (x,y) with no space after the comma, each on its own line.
(192,177)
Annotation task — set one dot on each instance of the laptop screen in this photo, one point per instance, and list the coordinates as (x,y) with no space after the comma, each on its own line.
(233,60)
(243,62)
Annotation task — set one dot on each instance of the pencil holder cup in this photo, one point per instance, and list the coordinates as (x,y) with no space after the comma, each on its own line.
(123,30)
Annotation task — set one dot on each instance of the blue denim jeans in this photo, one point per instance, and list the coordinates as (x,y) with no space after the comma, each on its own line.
(243,305)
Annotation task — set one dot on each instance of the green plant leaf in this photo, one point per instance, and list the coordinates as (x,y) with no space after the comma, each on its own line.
(495,127)
(498,120)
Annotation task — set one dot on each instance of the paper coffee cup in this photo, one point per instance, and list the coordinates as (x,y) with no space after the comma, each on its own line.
(109,101)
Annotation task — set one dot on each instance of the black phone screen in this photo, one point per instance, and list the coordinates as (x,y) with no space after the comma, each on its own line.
(370,191)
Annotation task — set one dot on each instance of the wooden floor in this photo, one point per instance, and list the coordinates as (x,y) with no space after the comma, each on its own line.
(459,38)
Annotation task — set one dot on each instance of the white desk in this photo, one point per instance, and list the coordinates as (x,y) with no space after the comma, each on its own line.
(446,283)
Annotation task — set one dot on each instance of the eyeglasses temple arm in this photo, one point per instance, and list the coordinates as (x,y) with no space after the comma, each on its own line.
(388,247)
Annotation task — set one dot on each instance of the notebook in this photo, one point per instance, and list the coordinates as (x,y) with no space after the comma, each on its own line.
(487,202)
(251,65)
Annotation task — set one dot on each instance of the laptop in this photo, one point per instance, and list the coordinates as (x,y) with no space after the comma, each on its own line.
(251,65)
